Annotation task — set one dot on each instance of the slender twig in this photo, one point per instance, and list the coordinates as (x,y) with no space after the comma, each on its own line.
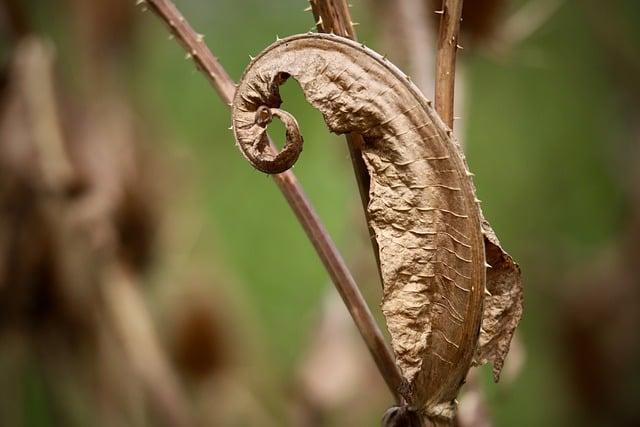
(332,16)
(298,201)
(475,412)
(447,47)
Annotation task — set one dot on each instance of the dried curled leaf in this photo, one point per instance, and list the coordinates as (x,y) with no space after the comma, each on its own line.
(422,209)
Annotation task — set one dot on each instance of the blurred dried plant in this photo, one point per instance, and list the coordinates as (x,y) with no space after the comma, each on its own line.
(77,230)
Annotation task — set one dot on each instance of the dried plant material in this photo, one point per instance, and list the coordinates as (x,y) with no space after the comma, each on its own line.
(503,308)
(502,304)
(71,195)
(422,208)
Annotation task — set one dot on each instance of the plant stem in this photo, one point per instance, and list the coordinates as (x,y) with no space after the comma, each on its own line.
(332,16)
(447,47)
(295,196)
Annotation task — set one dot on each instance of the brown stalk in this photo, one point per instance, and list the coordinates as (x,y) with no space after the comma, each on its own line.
(332,16)
(476,413)
(447,47)
(295,196)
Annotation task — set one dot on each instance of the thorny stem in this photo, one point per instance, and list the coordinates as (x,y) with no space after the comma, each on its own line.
(447,47)
(298,201)
(332,16)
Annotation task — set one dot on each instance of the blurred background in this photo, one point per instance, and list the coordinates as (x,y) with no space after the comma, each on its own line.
(150,277)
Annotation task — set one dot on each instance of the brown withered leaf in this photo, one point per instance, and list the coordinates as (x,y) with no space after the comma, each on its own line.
(422,205)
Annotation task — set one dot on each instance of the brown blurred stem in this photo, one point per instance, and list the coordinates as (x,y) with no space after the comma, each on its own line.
(14,18)
(447,47)
(298,201)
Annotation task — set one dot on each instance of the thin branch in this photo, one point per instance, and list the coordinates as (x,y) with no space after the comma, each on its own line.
(446,58)
(332,16)
(193,43)
(298,201)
